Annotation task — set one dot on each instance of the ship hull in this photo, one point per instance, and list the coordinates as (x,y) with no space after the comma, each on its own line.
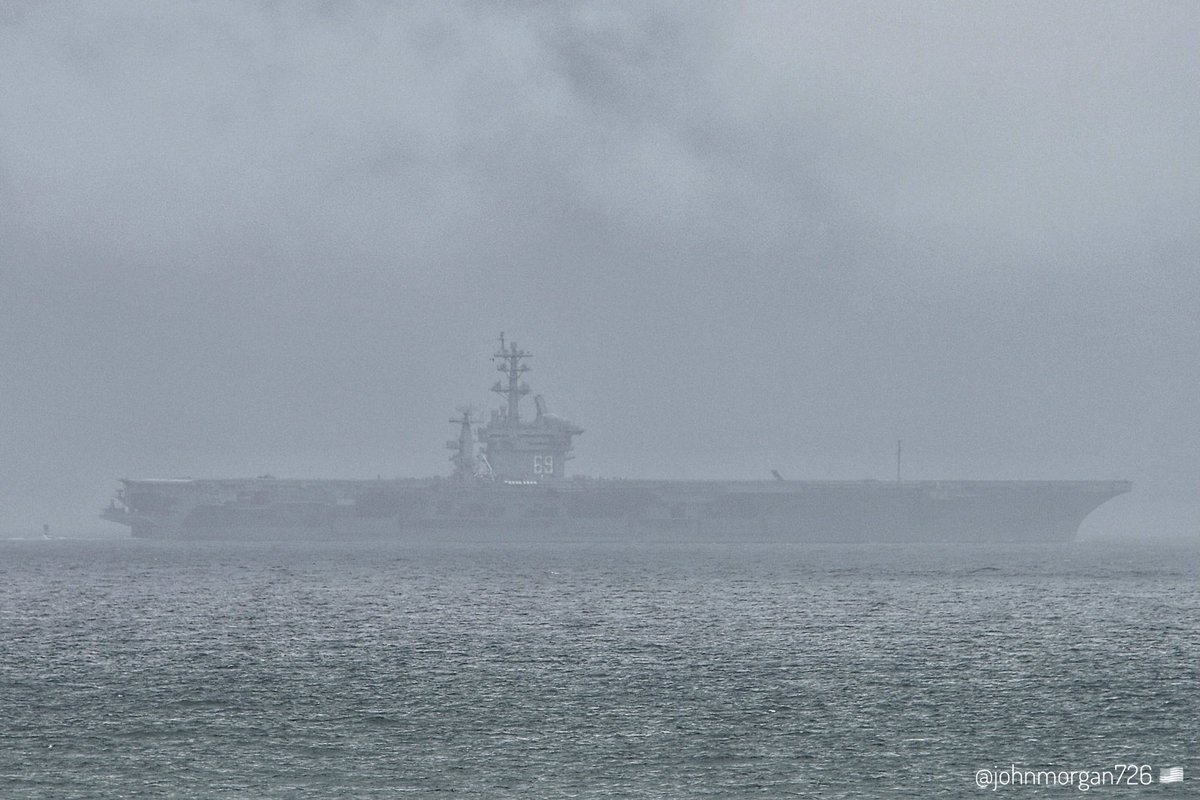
(818,511)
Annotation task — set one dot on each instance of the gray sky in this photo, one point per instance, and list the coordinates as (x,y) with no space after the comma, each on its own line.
(239,238)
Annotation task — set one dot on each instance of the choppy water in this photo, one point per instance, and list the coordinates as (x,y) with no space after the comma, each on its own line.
(616,669)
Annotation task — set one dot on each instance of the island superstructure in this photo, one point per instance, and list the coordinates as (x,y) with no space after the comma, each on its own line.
(509,479)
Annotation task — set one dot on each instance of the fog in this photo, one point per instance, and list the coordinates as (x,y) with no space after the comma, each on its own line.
(242,238)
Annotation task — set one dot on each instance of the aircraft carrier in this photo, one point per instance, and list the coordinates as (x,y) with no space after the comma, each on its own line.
(509,480)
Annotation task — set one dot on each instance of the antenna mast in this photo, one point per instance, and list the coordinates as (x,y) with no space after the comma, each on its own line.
(464,445)
(510,364)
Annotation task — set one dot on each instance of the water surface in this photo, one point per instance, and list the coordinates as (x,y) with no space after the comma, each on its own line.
(622,668)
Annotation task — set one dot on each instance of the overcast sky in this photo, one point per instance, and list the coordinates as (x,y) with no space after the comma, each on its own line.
(239,238)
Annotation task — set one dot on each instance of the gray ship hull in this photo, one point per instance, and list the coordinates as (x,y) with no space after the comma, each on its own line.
(816,511)
(516,484)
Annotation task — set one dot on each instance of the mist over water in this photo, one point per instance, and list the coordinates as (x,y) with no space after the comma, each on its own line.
(586,669)
(240,239)
(258,238)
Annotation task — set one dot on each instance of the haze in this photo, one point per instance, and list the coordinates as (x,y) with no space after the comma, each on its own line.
(242,238)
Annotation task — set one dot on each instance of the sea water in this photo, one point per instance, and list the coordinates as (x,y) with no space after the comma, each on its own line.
(622,668)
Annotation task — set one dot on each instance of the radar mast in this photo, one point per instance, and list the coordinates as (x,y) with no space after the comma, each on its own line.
(510,357)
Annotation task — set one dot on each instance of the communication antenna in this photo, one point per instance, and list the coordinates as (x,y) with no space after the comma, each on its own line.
(464,445)
(511,360)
